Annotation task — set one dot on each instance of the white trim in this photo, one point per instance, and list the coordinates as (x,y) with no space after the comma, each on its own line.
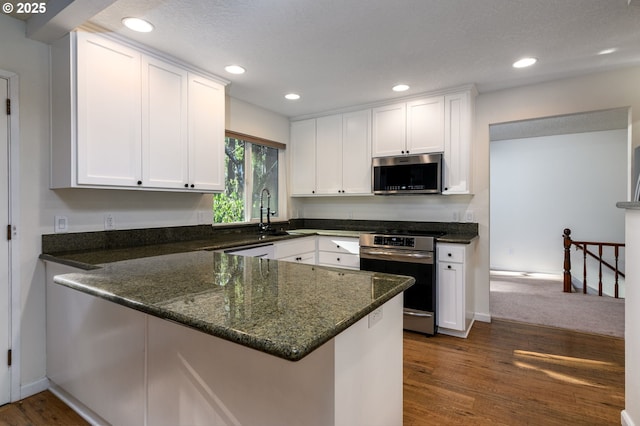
(33,388)
(482,317)
(14,218)
(82,410)
(625,419)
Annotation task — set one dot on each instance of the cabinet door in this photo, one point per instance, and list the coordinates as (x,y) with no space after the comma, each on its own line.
(457,150)
(425,125)
(389,130)
(451,313)
(164,125)
(303,157)
(328,155)
(206,134)
(356,152)
(108,112)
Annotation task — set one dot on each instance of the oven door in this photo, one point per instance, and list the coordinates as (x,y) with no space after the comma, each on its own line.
(420,298)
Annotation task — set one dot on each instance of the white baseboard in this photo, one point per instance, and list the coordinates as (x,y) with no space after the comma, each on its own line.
(482,317)
(455,333)
(625,420)
(77,406)
(33,388)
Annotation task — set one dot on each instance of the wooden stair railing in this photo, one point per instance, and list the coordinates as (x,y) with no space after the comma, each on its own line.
(584,246)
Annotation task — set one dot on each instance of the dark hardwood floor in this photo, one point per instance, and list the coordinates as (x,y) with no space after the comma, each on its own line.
(503,374)
(508,373)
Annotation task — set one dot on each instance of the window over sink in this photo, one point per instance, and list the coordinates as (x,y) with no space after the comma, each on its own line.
(251,164)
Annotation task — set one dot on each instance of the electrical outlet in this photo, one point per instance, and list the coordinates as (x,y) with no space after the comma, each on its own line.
(469,216)
(204,218)
(109,222)
(375,317)
(60,224)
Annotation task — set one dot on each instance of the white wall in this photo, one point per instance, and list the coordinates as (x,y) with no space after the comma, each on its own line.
(592,92)
(84,208)
(541,185)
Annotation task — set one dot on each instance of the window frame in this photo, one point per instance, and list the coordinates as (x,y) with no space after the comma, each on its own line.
(281,214)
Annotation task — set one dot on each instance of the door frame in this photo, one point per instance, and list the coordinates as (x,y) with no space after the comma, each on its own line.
(14,244)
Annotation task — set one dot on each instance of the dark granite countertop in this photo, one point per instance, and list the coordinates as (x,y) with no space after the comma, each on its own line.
(281,308)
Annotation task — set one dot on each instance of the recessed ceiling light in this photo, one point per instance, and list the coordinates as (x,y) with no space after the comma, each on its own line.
(525,62)
(292,96)
(400,88)
(137,24)
(607,51)
(234,69)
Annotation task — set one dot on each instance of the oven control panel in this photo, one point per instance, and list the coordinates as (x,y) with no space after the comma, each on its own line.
(385,240)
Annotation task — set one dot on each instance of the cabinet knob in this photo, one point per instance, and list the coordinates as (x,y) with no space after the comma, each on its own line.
(139,182)
(449,254)
(193,186)
(186,185)
(313,192)
(338,259)
(448,266)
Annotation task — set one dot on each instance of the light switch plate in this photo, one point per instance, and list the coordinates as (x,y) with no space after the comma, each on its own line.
(60,224)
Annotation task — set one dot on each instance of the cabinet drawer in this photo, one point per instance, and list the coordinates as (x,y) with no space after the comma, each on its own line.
(339,244)
(451,253)
(345,260)
(295,247)
(306,258)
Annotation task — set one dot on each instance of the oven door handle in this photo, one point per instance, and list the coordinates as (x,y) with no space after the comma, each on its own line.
(418,314)
(397,255)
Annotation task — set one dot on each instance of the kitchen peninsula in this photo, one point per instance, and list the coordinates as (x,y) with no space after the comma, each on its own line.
(203,337)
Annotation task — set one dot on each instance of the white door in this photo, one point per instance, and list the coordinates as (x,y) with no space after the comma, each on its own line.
(5,382)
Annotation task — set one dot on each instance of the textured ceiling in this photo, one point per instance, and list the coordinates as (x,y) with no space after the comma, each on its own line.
(341,53)
(338,53)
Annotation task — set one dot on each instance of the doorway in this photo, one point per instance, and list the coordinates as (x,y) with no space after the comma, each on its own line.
(548,174)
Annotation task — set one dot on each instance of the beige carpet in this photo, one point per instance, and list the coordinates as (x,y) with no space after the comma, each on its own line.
(540,300)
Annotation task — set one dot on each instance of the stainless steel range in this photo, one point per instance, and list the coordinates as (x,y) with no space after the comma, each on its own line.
(406,254)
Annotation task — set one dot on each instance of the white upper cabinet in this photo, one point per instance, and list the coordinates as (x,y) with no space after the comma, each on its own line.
(458,147)
(164,125)
(303,157)
(389,130)
(356,152)
(425,125)
(206,134)
(415,127)
(332,155)
(329,158)
(122,118)
(108,112)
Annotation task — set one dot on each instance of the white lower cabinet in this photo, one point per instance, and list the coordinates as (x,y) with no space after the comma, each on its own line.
(454,289)
(339,251)
(95,351)
(302,250)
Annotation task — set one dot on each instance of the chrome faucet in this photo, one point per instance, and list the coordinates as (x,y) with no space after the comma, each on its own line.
(264,227)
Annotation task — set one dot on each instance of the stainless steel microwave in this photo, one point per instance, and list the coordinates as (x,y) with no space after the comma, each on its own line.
(408,174)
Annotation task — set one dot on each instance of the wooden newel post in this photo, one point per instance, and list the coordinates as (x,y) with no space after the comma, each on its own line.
(567,261)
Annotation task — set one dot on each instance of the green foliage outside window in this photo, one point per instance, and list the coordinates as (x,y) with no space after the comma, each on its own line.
(229,206)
